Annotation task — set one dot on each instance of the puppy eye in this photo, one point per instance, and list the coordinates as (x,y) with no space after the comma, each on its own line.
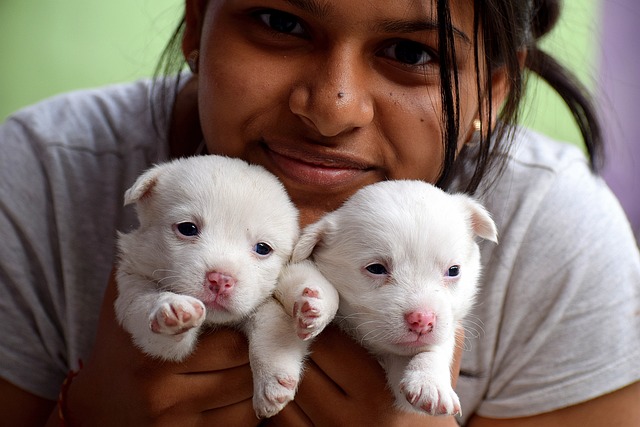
(187,229)
(377,269)
(262,249)
(453,271)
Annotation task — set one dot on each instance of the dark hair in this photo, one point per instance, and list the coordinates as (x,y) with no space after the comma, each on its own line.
(504,28)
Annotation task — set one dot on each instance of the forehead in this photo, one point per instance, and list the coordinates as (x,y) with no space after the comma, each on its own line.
(386,220)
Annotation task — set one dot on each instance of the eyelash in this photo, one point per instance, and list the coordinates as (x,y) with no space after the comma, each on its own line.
(265,17)
(411,45)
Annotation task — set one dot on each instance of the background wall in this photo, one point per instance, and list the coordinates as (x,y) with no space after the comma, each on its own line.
(619,93)
(53,46)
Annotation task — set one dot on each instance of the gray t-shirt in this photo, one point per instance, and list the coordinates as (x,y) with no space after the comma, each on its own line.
(556,321)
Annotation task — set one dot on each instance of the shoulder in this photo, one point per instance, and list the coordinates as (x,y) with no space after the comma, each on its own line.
(548,187)
(109,118)
(561,285)
(552,210)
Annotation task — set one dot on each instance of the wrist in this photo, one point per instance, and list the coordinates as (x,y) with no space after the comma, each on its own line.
(62,409)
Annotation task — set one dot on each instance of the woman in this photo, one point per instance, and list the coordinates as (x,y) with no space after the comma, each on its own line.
(330,96)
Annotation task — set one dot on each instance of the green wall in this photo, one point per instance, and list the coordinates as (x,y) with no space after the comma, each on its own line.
(575,43)
(53,46)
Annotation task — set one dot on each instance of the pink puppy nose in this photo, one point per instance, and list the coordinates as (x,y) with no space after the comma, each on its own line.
(220,283)
(421,322)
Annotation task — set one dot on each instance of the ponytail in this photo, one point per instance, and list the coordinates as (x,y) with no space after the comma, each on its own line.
(545,15)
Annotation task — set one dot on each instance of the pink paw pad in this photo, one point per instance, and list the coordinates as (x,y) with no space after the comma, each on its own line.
(176,319)
(288,383)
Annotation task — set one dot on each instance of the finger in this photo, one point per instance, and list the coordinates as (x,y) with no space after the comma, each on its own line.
(240,414)
(218,349)
(457,356)
(207,391)
(340,374)
(216,375)
(339,357)
(292,415)
(318,392)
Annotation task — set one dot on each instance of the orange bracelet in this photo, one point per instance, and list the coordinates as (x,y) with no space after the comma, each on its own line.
(62,396)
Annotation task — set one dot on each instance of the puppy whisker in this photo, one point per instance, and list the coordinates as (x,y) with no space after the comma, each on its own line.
(377,336)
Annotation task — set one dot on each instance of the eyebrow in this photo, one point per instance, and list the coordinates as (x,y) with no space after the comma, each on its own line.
(414,26)
(313,7)
(321,10)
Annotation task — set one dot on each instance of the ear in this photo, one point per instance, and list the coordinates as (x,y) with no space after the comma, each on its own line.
(500,88)
(310,237)
(193,18)
(481,222)
(143,186)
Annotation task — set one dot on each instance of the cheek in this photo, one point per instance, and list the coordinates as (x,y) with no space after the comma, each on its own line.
(411,122)
(232,90)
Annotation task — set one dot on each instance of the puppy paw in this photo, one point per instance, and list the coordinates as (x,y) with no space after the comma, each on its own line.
(310,313)
(272,393)
(433,397)
(175,314)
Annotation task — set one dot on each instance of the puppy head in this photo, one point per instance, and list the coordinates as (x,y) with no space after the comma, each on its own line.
(211,227)
(404,259)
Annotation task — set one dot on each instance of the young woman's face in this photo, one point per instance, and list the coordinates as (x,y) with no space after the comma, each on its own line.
(329,95)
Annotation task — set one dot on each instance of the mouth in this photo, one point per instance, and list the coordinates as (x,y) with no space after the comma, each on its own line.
(415,341)
(311,169)
(215,303)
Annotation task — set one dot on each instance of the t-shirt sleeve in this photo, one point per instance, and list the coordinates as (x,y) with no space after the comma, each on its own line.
(65,164)
(32,347)
(570,325)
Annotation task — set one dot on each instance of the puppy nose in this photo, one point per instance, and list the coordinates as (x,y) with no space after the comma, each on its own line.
(220,283)
(420,322)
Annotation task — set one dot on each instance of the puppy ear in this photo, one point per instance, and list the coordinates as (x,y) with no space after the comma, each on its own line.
(143,186)
(309,238)
(481,222)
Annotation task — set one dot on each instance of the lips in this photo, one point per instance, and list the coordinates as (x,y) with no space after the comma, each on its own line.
(414,341)
(309,168)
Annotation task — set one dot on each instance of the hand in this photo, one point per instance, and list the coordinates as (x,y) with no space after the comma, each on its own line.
(119,385)
(344,382)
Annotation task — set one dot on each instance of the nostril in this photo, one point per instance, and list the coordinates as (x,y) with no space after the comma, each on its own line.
(220,281)
(421,321)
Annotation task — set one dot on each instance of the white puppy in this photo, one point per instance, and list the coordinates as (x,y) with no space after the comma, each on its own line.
(403,257)
(214,235)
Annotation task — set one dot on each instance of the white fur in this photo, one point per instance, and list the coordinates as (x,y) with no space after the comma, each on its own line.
(417,232)
(165,295)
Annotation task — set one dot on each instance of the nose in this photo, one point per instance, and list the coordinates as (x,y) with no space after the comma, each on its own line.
(220,283)
(334,98)
(421,322)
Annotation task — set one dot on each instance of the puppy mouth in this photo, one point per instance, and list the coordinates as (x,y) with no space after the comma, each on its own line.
(216,303)
(413,340)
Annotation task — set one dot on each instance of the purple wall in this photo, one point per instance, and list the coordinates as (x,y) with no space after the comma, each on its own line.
(620,101)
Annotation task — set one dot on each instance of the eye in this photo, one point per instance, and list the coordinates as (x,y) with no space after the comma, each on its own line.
(408,52)
(262,249)
(376,269)
(453,271)
(187,229)
(281,22)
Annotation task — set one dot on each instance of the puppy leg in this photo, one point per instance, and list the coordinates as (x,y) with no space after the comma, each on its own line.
(163,325)
(276,356)
(426,382)
(305,293)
